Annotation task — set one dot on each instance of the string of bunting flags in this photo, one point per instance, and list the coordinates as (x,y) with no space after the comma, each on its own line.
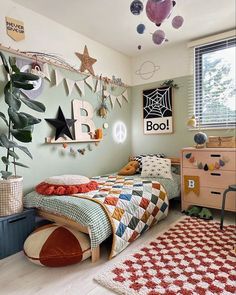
(116,89)
(113,93)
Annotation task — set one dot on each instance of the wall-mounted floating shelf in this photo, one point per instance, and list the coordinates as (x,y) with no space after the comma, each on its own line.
(65,140)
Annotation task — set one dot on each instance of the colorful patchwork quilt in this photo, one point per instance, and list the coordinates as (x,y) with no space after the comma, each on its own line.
(132,205)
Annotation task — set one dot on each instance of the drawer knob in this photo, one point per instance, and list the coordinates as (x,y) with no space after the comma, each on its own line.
(215,156)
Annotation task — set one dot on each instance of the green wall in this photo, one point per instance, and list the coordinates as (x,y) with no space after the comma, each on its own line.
(108,156)
(170,144)
(53,159)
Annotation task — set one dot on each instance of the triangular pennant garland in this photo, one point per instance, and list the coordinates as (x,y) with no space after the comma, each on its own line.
(125,95)
(46,72)
(95,83)
(119,99)
(80,87)
(113,101)
(89,82)
(58,77)
(70,85)
(125,98)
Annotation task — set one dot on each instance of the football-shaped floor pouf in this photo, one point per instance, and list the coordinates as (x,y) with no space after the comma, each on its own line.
(54,245)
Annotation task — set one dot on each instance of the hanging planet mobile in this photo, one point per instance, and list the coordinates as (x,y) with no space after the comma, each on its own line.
(157,11)
(147,70)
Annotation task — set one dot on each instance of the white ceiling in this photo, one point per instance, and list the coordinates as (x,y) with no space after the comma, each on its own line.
(111,23)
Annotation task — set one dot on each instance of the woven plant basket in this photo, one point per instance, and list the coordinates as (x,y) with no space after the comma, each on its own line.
(11,192)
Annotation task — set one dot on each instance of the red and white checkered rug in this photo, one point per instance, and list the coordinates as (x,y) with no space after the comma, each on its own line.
(193,257)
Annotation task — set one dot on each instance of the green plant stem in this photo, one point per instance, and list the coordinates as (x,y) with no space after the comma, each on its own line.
(9,133)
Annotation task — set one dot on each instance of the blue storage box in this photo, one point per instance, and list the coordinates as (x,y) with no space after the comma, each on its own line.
(14,230)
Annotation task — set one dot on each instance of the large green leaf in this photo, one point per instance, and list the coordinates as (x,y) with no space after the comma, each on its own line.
(22,135)
(34,105)
(4,141)
(13,154)
(11,97)
(2,116)
(19,120)
(5,63)
(20,164)
(12,62)
(23,85)
(5,174)
(25,150)
(31,119)
(5,161)
(24,77)
(15,69)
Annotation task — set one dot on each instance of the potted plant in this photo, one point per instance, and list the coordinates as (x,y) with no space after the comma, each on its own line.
(18,128)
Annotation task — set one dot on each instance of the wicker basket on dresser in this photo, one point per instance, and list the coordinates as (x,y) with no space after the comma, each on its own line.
(212,182)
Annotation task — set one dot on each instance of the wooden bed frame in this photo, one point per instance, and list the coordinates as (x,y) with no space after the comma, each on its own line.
(70,223)
(76,225)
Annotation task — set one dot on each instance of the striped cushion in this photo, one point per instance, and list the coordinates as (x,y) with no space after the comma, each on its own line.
(140,157)
(53,245)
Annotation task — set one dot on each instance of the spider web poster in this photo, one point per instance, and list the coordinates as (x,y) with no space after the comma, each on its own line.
(157,111)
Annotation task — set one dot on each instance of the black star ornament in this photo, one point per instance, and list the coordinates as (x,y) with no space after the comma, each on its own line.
(62,125)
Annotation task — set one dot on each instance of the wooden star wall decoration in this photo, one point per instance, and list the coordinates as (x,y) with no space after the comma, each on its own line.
(86,61)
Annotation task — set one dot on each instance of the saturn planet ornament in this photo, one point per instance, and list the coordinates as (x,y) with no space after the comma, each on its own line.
(147,70)
(136,7)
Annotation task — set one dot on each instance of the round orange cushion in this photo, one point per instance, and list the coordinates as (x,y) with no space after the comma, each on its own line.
(53,245)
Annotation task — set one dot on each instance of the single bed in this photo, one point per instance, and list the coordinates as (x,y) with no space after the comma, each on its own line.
(86,215)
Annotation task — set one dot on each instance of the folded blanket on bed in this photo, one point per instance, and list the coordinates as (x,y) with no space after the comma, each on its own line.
(132,205)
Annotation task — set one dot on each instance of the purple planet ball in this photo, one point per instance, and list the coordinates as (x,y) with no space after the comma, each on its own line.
(177,22)
(158,37)
(157,12)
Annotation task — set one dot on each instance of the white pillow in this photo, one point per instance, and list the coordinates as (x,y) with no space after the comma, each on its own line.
(156,167)
(67,180)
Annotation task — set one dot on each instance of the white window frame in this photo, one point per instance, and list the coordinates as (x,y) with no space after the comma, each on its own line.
(198,53)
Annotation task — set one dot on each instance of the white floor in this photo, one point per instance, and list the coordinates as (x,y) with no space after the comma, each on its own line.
(18,276)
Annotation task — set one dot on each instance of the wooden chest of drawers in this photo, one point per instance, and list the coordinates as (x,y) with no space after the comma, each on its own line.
(219,173)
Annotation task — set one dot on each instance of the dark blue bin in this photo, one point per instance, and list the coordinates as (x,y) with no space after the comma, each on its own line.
(14,230)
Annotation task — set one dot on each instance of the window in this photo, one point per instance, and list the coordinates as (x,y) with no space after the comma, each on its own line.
(214,101)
